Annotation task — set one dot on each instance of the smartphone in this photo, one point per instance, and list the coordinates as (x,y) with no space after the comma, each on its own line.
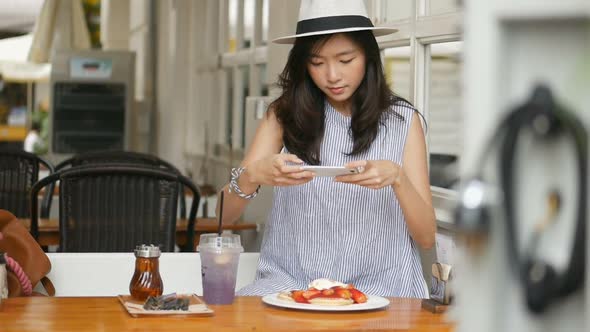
(330,170)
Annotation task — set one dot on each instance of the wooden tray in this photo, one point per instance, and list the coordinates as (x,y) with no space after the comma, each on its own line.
(135,308)
(433,306)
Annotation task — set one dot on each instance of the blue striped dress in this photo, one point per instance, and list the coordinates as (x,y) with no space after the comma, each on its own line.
(349,233)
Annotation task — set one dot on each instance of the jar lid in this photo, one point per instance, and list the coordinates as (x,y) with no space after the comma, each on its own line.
(147,251)
(225,241)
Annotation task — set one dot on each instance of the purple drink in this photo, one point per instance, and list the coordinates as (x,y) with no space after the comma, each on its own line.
(219,267)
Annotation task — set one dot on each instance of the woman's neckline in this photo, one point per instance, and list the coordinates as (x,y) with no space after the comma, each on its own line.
(339,118)
(346,114)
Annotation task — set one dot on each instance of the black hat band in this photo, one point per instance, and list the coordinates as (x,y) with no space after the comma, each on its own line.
(333,23)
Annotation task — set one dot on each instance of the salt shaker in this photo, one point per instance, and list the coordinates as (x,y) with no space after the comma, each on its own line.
(146,279)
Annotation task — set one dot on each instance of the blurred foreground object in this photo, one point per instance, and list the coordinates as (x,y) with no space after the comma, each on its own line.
(524,279)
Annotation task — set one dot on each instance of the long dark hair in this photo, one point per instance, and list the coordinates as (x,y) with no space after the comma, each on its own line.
(300,108)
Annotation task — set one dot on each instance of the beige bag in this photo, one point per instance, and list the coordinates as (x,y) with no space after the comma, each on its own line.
(27,264)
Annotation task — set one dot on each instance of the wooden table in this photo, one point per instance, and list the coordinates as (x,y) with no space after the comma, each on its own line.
(49,229)
(246,314)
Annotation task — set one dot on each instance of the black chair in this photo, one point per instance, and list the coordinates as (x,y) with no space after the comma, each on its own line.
(113,208)
(124,157)
(19,170)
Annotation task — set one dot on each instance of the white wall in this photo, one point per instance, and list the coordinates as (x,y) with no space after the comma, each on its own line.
(109,274)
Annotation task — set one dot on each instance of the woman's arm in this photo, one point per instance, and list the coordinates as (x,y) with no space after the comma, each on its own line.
(267,141)
(410,183)
(413,188)
(264,165)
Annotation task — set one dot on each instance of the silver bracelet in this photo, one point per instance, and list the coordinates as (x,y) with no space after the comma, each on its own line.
(233,184)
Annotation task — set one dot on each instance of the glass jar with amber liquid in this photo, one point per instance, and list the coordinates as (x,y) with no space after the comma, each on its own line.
(146,280)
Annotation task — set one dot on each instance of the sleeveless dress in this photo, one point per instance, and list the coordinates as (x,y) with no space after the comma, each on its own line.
(349,233)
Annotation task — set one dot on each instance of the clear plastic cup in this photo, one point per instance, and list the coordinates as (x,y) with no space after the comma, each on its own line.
(219,266)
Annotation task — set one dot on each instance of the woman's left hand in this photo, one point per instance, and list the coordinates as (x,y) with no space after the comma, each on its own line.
(374,174)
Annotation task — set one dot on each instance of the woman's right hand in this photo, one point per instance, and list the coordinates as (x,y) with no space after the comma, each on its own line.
(278,170)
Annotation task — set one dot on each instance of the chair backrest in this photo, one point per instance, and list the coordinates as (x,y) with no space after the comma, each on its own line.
(124,157)
(117,157)
(19,170)
(113,208)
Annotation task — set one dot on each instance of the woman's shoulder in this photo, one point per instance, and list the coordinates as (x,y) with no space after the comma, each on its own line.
(402,104)
(271,114)
(400,109)
(271,120)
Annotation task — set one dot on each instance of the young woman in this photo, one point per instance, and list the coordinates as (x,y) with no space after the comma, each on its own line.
(336,109)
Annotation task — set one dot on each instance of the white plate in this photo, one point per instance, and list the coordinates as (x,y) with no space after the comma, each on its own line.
(373,302)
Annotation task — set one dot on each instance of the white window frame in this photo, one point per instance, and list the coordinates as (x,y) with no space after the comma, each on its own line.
(419,31)
(252,56)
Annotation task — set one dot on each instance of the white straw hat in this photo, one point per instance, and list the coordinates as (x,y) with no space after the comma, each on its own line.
(320,17)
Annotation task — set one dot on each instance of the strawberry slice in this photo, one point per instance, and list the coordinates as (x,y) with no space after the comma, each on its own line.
(358,296)
(311,293)
(328,292)
(297,295)
(343,293)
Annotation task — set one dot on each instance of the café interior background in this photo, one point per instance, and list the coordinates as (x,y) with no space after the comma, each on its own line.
(204,73)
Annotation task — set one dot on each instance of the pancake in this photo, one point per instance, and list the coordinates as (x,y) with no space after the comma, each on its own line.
(285,296)
(330,301)
(325,301)
(325,292)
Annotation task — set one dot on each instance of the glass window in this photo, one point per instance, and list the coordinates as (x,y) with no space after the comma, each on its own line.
(398,70)
(249,6)
(263,81)
(396,9)
(443,6)
(444,112)
(264,22)
(229,93)
(232,32)
(444,170)
(245,73)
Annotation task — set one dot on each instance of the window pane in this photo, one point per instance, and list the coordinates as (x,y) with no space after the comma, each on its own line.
(245,73)
(229,111)
(232,32)
(397,70)
(396,9)
(248,22)
(443,6)
(444,170)
(444,113)
(264,22)
(263,81)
